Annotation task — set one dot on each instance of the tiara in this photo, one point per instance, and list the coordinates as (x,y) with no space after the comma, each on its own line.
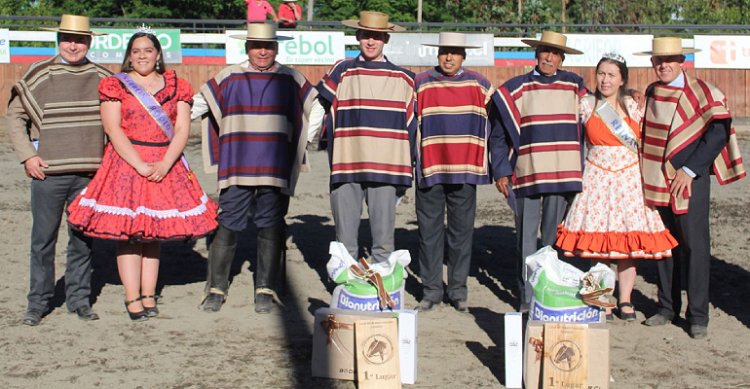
(145,29)
(614,56)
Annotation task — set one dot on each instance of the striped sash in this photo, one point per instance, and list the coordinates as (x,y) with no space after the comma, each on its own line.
(152,107)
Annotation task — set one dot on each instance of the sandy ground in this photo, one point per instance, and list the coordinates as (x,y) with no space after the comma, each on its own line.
(236,348)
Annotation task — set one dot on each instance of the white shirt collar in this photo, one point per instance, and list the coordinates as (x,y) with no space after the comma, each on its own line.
(678,82)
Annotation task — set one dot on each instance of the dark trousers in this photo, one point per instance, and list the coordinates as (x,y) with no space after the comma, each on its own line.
(267,207)
(461,202)
(49,198)
(691,259)
(534,215)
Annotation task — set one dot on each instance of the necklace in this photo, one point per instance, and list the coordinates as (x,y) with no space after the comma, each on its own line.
(150,84)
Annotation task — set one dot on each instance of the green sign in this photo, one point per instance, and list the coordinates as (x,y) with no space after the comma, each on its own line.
(110,48)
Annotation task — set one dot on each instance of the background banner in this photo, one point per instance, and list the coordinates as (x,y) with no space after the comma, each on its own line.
(594,45)
(307,48)
(4,46)
(111,48)
(407,50)
(722,51)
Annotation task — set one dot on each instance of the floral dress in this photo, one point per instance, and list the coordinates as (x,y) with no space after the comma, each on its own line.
(119,203)
(609,219)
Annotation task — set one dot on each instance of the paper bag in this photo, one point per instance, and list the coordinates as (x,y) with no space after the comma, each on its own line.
(596,358)
(333,343)
(377,349)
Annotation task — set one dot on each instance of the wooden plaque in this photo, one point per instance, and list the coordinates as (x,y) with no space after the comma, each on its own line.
(565,355)
(377,353)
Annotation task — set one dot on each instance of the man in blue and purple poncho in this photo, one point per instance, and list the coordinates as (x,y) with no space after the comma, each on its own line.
(255,134)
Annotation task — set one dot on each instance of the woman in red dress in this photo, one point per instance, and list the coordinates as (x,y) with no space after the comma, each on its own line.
(144,192)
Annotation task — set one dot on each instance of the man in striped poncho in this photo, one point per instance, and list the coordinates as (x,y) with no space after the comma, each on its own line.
(370,131)
(452,108)
(256,134)
(687,136)
(539,111)
(57,134)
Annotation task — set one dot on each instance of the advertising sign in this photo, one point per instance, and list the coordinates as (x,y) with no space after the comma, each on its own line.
(722,52)
(407,50)
(110,48)
(4,46)
(594,45)
(307,48)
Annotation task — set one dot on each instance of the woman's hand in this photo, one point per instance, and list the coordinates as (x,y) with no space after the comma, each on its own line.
(161,169)
(145,169)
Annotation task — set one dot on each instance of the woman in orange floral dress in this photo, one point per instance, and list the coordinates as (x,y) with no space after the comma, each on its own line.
(609,220)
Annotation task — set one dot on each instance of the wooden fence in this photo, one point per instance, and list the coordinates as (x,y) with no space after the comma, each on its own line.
(732,82)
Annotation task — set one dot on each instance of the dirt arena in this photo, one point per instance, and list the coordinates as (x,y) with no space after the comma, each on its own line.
(236,348)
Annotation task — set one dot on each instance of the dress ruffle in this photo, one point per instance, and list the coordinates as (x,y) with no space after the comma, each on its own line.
(615,245)
(609,219)
(119,204)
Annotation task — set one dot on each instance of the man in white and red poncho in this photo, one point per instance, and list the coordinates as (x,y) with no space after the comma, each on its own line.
(687,136)
(453,108)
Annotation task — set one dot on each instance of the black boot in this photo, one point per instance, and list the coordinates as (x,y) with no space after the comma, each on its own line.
(220,257)
(270,272)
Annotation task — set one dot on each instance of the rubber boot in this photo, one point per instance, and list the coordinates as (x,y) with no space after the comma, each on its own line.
(220,258)
(269,276)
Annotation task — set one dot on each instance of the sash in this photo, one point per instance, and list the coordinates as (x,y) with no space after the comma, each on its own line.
(617,126)
(153,108)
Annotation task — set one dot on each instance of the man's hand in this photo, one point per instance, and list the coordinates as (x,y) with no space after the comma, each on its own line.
(502,186)
(681,184)
(35,167)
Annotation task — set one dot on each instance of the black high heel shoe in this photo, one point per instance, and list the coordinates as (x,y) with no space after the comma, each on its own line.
(136,316)
(151,311)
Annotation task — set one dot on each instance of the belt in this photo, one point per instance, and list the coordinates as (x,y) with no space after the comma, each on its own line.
(148,144)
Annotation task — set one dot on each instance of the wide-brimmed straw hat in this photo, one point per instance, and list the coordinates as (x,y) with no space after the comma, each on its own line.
(552,39)
(264,32)
(668,45)
(373,21)
(74,24)
(290,1)
(452,39)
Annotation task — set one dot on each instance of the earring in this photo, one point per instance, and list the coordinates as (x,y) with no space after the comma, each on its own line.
(157,65)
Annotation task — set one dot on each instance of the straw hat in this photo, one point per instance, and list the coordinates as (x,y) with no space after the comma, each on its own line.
(373,21)
(552,39)
(261,32)
(668,45)
(452,39)
(74,24)
(290,1)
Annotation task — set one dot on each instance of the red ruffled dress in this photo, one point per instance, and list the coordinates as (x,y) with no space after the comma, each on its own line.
(609,218)
(119,203)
